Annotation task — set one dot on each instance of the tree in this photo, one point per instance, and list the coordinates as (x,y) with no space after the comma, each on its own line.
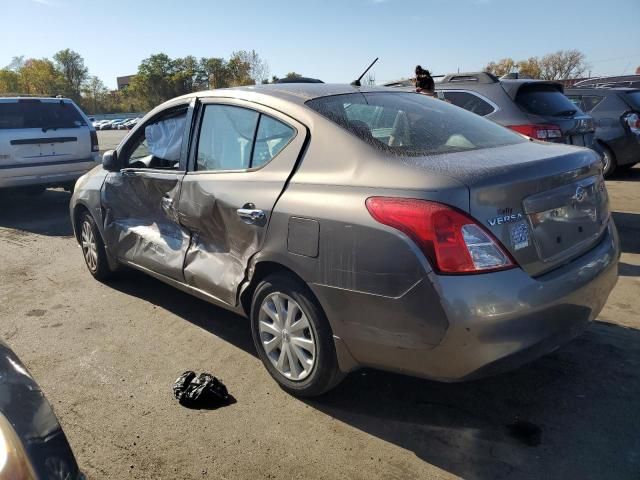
(9,81)
(153,84)
(292,76)
(530,68)
(239,70)
(16,63)
(563,64)
(40,77)
(560,65)
(258,68)
(95,94)
(215,72)
(71,66)
(502,67)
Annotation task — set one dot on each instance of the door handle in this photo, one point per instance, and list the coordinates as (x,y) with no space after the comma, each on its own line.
(250,215)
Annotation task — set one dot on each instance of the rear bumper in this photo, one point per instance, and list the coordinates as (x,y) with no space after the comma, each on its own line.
(489,323)
(46,174)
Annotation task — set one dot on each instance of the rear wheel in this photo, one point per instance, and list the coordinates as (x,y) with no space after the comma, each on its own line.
(93,250)
(293,337)
(609,161)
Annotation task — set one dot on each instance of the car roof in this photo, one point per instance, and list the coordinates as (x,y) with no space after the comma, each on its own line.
(28,97)
(601,91)
(298,93)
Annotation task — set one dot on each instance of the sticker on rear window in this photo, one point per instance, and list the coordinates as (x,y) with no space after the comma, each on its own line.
(520,236)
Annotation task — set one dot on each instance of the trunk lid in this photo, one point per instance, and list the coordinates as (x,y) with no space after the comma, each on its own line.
(546,203)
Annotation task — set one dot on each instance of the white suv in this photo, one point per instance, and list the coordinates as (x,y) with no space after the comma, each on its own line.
(44,142)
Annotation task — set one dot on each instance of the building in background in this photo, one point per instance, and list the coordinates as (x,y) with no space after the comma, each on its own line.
(123,82)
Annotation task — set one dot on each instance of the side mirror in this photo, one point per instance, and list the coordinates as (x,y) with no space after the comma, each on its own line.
(110,161)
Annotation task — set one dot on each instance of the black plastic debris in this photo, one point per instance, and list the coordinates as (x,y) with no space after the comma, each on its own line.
(201,391)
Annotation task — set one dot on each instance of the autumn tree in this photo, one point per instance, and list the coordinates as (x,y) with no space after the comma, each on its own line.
(553,66)
(563,64)
(9,81)
(40,77)
(500,68)
(95,94)
(71,66)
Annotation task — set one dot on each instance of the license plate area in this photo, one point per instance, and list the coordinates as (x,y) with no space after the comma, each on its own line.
(567,219)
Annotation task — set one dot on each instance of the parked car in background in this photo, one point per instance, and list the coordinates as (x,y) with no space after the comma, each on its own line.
(32,443)
(358,227)
(628,81)
(44,142)
(616,113)
(536,108)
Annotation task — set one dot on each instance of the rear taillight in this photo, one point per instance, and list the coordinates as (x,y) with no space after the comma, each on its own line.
(453,242)
(539,132)
(632,120)
(94,141)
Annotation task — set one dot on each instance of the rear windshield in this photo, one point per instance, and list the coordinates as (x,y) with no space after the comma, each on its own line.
(634,99)
(412,124)
(37,114)
(545,100)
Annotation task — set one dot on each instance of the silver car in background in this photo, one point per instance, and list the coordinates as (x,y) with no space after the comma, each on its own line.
(44,142)
(358,227)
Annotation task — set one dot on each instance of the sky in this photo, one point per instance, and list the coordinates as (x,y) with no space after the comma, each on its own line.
(332,40)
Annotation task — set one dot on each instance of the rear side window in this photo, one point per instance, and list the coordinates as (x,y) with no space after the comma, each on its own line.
(29,113)
(589,102)
(236,138)
(271,138)
(545,100)
(226,138)
(469,101)
(412,124)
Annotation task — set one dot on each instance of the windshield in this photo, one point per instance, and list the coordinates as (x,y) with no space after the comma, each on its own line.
(634,99)
(547,100)
(412,124)
(31,113)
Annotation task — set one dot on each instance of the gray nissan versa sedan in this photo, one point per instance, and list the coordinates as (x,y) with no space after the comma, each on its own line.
(358,227)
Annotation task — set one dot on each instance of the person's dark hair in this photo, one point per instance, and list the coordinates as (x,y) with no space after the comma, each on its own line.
(423,79)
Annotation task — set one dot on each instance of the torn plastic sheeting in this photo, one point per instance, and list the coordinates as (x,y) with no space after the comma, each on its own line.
(164,138)
(202,391)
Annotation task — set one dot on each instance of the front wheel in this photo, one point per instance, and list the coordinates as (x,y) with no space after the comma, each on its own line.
(93,250)
(293,337)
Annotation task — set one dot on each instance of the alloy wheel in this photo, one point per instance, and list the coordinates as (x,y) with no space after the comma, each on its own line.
(286,336)
(89,247)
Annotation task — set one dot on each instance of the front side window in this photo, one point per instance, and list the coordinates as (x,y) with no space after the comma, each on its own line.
(470,102)
(412,124)
(236,138)
(159,143)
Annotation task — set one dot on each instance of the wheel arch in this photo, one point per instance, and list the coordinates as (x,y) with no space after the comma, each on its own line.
(262,269)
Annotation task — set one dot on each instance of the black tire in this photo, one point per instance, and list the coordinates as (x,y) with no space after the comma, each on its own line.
(609,161)
(100,267)
(324,374)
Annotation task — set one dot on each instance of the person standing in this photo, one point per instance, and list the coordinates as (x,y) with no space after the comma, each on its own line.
(424,81)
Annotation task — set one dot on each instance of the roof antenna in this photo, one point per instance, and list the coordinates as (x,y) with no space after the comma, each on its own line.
(356,83)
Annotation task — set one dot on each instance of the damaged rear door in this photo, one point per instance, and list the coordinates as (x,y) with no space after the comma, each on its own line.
(140,201)
(242,158)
